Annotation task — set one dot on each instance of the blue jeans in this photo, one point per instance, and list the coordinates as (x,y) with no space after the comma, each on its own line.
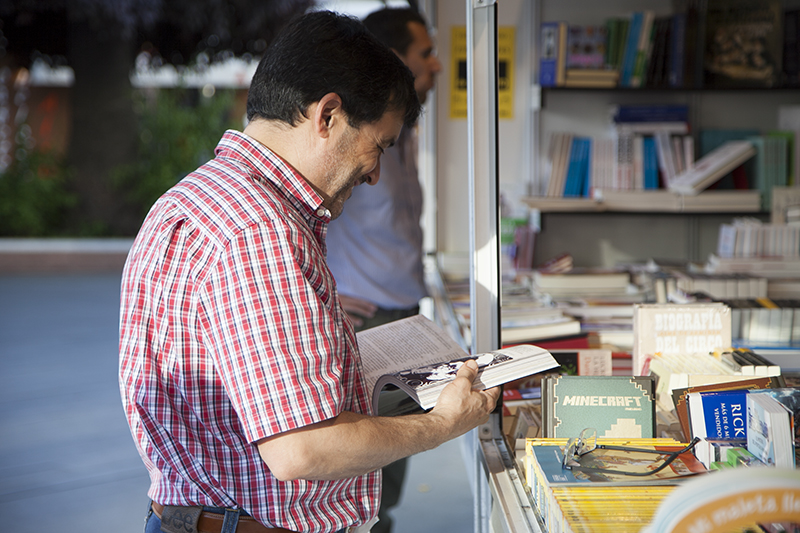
(152,524)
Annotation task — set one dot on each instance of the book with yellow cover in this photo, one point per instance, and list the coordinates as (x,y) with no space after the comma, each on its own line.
(594,506)
(550,459)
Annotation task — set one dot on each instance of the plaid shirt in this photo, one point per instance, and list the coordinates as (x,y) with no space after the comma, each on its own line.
(230,332)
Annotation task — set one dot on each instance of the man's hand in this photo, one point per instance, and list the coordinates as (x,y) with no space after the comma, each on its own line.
(460,406)
(356,308)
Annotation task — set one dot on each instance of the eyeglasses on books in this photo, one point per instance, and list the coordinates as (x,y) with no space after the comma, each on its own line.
(586,443)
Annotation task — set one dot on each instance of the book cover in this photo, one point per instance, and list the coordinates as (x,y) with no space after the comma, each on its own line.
(731,500)
(560,149)
(693,328)
(414,358)
(676,50)
(743,43)
(657,75)
(631,48)
(789,396)
(718,414)
(557,328)
(617,406)
(594,362)
(650,163)
(666,160)
(789,120)
(643,49)
(769,431)
(617,37)
(552,56)
(548,459)
(651,113)
(582,278)
(586,47)
(577,168)
(712,167)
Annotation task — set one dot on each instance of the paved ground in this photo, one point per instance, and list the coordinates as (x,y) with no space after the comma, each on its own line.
(67,461)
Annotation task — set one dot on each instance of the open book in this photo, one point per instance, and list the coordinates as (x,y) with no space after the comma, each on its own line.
(407,363)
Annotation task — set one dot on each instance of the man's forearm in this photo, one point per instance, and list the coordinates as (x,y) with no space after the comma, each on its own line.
(353,444)
(350,445)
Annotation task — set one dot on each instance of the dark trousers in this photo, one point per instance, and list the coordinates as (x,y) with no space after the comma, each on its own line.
(395,473)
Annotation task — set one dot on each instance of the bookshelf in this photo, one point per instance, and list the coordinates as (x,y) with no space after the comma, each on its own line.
(633,227)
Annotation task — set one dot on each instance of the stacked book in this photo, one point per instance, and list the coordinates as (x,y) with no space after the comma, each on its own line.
(572,501)
(752,238)
(721,286)
(751,421)
(579,282)
(764,321)
(529,324)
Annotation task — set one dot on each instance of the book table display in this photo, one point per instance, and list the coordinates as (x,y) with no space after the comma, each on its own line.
(604,489)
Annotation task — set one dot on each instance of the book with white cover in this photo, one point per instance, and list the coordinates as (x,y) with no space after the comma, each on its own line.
(712,166)
(770,435)
(415,359)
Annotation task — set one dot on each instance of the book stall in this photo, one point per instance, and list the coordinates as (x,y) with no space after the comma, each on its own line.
(647,418)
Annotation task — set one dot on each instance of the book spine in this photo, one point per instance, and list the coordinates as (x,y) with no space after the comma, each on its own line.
(651,113)
(677,50)
(644,45)
(631,49)
(650,163)
(550,46)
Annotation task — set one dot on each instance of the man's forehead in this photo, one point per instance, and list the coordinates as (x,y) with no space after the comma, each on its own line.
(387,129)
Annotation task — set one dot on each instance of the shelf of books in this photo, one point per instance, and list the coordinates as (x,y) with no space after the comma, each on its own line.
(590,445)
(654,201)
(644,109)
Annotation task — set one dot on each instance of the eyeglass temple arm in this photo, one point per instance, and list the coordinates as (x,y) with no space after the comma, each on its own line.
(666,463)
(628,449)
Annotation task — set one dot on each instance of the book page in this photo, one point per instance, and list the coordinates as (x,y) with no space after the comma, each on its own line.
(404,344)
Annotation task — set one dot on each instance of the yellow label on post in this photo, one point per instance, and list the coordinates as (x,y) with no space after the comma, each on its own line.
(505,82)
(458,76)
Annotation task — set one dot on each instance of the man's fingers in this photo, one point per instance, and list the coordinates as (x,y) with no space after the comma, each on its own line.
(468,370)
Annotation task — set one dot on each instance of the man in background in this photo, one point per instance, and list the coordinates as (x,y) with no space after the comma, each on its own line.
(375,247)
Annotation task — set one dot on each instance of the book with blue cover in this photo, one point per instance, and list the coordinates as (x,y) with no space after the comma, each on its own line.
(651,113)
(718,415)
(650,163)
(552,56)
(578,169)
(631,48)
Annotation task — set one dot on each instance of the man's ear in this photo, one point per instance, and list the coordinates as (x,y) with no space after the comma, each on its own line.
(327,114)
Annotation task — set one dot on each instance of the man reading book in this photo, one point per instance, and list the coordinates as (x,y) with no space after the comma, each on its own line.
(239,370)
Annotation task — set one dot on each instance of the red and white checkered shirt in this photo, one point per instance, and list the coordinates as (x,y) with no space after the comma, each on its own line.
(231,331)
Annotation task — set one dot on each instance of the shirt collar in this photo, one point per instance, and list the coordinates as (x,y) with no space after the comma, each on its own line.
(269,166)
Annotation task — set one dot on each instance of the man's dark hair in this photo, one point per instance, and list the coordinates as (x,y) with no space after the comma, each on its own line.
(324,52)
(390,26)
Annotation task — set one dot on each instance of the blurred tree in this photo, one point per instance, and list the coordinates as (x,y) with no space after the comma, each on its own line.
(100,40)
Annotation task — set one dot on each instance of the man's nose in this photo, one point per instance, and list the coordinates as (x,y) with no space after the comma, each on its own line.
(374,175)
(437,65)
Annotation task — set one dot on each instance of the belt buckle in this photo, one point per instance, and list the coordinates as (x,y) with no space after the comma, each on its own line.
(179,519)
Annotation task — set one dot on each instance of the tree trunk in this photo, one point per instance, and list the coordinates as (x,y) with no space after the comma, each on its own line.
(103,135)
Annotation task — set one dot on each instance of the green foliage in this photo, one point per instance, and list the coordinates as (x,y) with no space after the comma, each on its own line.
(178,132)
(35,196)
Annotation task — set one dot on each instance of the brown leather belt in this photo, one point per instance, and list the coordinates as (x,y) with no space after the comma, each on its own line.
(212,522)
